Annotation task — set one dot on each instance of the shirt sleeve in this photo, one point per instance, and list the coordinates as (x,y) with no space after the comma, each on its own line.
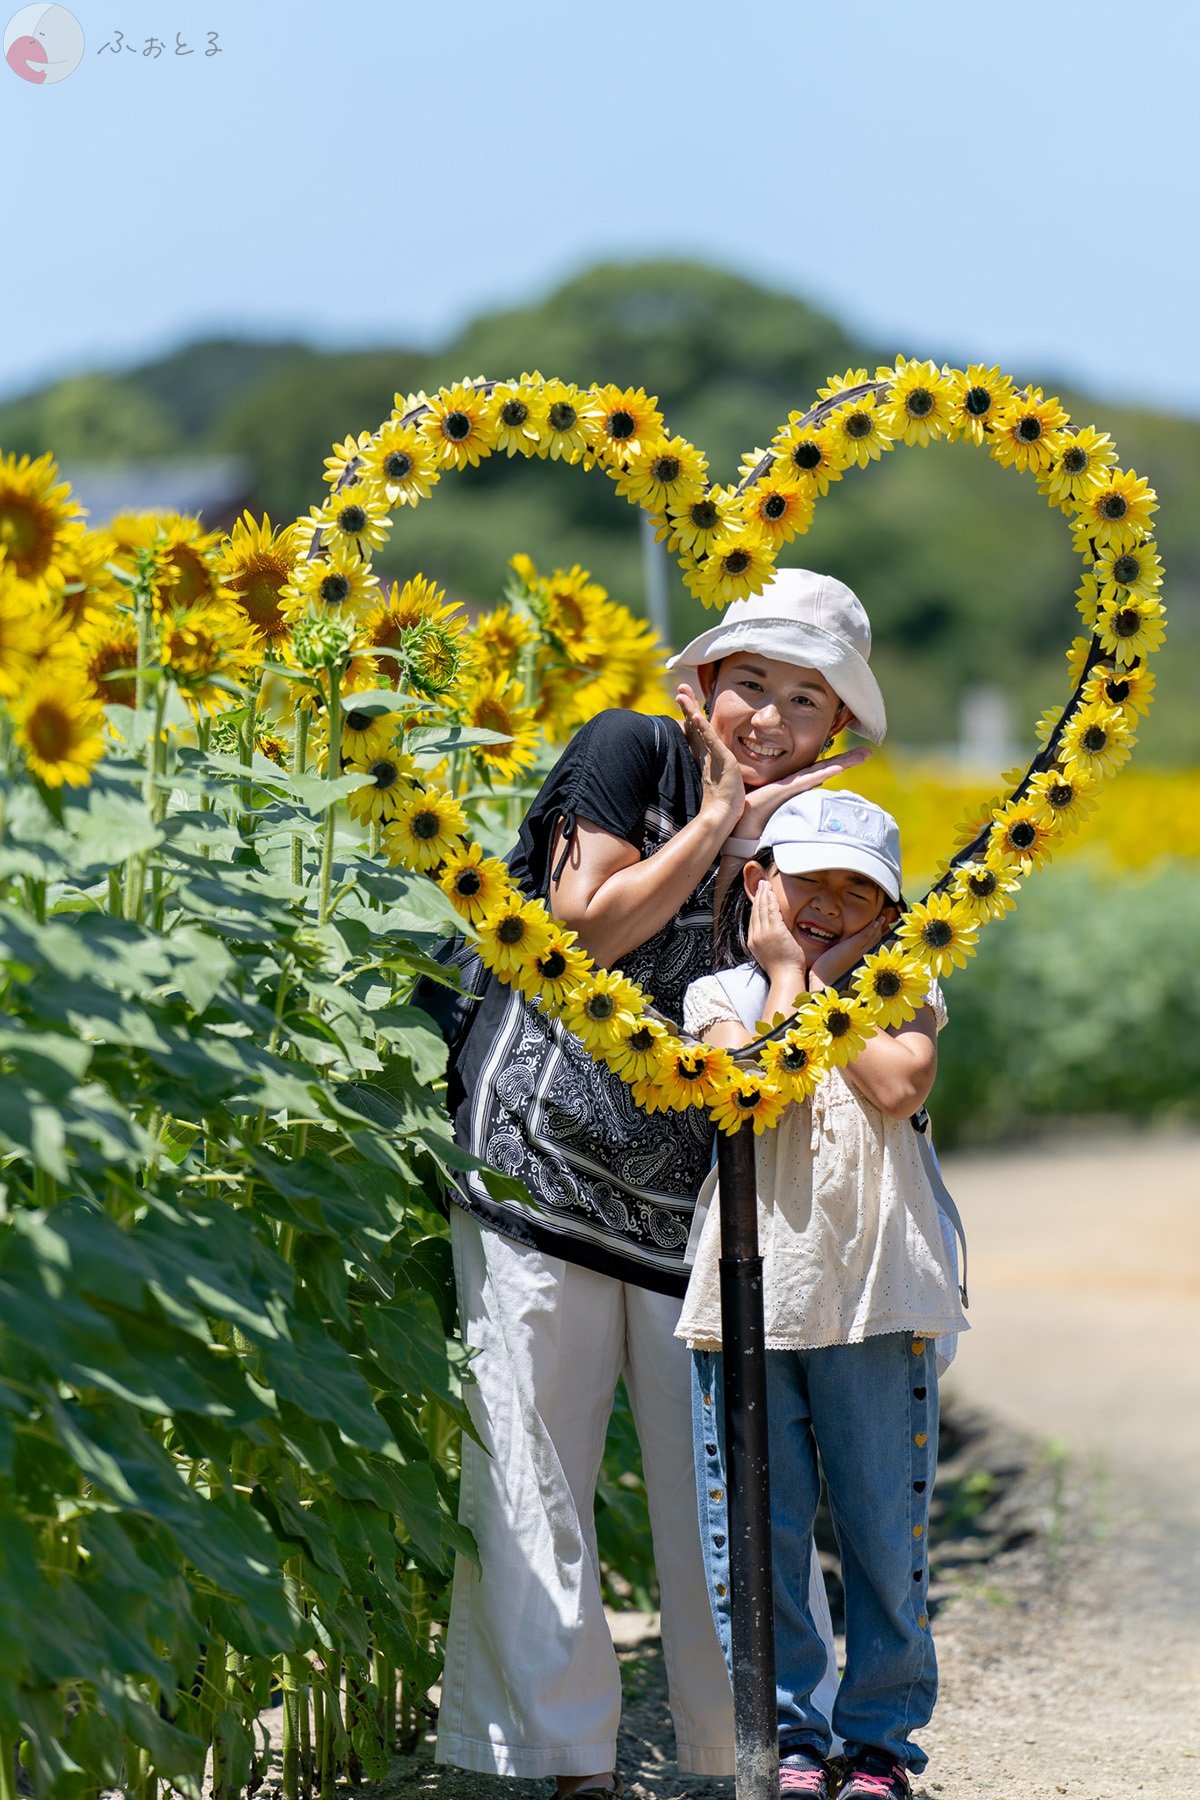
(707,1004)
(617,773)
(936,1003)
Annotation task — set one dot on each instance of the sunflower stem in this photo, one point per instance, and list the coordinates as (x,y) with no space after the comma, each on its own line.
(299,761)
(333,769)
(246,789)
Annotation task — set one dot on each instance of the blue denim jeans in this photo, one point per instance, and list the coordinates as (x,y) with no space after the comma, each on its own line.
(869,1413)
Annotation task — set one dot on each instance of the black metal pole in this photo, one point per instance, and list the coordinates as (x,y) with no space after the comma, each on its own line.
(756,1742)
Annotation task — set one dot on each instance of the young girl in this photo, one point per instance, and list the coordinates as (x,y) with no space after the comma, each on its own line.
(858,1282)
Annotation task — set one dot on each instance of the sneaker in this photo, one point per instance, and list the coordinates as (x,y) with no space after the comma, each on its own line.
(875,1775)
(803,1775)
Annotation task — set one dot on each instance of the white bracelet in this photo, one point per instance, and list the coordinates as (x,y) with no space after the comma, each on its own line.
(744,847)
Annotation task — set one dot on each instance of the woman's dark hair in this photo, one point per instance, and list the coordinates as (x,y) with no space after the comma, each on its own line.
(733,921)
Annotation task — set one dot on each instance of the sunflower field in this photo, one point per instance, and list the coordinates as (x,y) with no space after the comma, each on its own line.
(247,788)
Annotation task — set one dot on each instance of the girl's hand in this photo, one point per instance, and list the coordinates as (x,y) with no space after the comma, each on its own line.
(770,942)
(762,802)
(724,792)
(843,955)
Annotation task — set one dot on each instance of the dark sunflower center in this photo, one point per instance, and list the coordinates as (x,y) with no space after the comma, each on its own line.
(385,774)
(1029,429)
(621,425)
(858,425)
(1126,569)
(837,1022)
(641,1040)
(457,426)
(983,886)
(808,456)
(977,402)
(688,1071)
(358,721)
(513,413)
(468,882)
(1061,794)
(1113,506)
(774,506)
(704,514)
(666,468)
(562,416)
(1094,739)
(553,966)
(938,933)
(736,562)
(511,930)
(1075,460)
(334,589)
(919,403)
(888,984)
(1117,690)
(352,519)
(49,730)
(397,465)
(748,1098)
(600,1007)
(1022,834)
(1127,623)
(794,1059)
(425,826)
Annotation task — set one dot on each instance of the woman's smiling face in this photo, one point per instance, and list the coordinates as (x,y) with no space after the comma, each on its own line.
(774,716)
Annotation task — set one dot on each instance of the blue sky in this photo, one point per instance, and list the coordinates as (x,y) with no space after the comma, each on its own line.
(1009,181)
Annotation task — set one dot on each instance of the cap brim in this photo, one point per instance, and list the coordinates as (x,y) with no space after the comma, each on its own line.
(808,647)
(814,859)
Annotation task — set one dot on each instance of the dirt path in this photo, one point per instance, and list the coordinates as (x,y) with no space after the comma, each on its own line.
(1070,1665)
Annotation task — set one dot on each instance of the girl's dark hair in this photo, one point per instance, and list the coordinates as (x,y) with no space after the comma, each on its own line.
(733,921)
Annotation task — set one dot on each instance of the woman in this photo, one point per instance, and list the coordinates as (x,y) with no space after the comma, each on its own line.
(631,838)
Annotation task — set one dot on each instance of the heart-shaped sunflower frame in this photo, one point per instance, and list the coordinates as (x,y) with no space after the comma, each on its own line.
(727,540)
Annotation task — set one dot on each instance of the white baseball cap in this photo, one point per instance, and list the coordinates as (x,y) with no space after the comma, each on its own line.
(818,831)
(807,619)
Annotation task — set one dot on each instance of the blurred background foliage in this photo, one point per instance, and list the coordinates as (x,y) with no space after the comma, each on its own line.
(967,575)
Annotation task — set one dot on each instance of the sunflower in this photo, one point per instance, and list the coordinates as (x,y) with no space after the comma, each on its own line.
(394,787)
(59,726)
(1082,469)
(1046,725)
(837,384)
(353,522)
(473,882)
(340,585)
(626,420)
(1116,514)
(813,453)
(738,564)
(780,509)
(567,418)
(1129,627)
(185,562)
(516,413)
(839,1025)
(568,603)
(458,426)
(1064,795)
(108,653)
(1087,602)
(254,566)
(1135,573)
(498,638)
(36,511)
(401,463)
(430,827)
(90,590)
(1131,689)
(939,933)
(975,820)
(1028,432)
(977,395)
(23,631)
(1096,741)
(1024,834)
(686,1075)
(984,890)
(748,1098)
(601,1008)
(495,704)
(365,734)
(664,473)
(891,985)
(202,647)
(696,525)
(553,973)
(343,468)
(512,932)
(860,431)
(276,749)
(795,1062)
(635,1052)
(920,402)
(1077,659)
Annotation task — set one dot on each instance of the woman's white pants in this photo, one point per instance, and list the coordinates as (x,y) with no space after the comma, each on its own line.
(532,1685)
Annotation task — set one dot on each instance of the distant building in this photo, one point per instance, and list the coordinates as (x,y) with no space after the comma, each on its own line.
(217,488)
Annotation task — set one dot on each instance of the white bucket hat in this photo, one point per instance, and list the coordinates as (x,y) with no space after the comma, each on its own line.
(807,619)
(819,831)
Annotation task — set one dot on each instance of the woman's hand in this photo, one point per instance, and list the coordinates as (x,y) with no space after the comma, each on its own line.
(724,792)
(762,803)
(771,944)
(843,955)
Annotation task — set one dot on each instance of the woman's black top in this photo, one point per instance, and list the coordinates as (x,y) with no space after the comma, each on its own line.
(613,1187)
